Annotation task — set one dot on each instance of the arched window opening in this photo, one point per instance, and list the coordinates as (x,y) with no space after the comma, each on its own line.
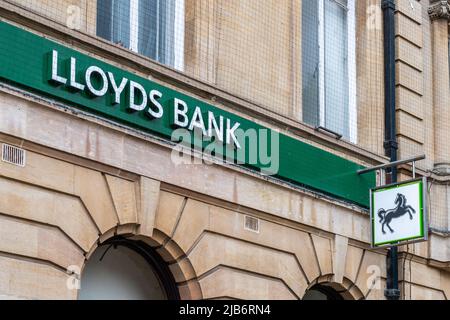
(122,269)
(321,292)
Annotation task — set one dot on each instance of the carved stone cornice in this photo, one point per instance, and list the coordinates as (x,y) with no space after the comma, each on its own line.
(439,9)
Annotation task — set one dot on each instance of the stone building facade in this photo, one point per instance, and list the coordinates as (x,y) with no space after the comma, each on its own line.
(90,184)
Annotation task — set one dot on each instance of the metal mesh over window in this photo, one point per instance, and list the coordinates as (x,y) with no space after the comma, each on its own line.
(439,199)
(318,62)
(148,27)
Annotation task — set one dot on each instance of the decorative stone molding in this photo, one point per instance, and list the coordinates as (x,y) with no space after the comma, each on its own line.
(439,9)
(442,169)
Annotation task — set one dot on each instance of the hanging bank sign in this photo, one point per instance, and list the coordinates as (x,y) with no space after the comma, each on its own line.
(51,70)
(398,213)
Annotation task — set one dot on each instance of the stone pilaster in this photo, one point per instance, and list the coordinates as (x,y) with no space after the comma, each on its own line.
(410,78)
(439,12)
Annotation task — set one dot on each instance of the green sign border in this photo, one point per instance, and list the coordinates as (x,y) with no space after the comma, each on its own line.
(421,183)
(24,63)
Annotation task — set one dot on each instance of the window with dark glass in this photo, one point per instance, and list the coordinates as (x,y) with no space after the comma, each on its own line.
(153,28)
(328,65)
(322,292)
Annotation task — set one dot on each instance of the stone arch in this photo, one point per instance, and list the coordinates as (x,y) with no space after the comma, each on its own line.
(162,253)
(178,262)
(347,290)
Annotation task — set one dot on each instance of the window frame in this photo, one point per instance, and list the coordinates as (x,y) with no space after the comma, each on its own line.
(177,35)
(351,49)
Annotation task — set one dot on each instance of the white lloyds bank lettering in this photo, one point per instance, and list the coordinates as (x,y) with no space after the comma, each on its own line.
(55,78)
(181,120)
(212,125)
(90,72)
(98,83)
(117,89)
(180,109)
(231,133)
(133,105)
(197,121)
(73,82)
(154,96)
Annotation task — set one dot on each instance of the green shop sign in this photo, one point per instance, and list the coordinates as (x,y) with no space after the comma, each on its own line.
(47,68)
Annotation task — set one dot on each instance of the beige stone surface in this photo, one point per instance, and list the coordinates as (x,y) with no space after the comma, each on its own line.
(93,190)
(423,293)
(410,127)
(43,171)
(355,293)
(410,54)
(170,251)
(24,238)
(409,77)
(439,31)
(148,195)
(90,186)
(148,201)
(168,212)
(60,210)
(410,8)
(190,291)
(124,198)
(409,101)
(271,235)
(324,254)
(377,291)
(197,218)
(201,39)
(428,96)
(421,249)
(340,246)
(445,284)
(213,250)
(30,280)
(423,275)
(237,284)
(183,270)
(439,217)
(193,221)
(408,29)
(353,261)
(439,248)
(71,13)
(369,73)
(410,148)
(373,265)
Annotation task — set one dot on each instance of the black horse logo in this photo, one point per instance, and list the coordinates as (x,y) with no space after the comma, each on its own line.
(400,210)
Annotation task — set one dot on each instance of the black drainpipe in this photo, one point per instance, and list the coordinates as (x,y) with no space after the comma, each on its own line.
(390,143)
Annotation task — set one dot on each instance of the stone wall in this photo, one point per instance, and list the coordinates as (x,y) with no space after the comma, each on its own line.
(86,179)
(81,186)
(57,212)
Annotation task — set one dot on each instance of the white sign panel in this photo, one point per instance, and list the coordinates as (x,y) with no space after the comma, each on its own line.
(398,213)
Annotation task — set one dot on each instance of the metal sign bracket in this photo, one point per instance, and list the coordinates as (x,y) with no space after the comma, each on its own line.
(382,167)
